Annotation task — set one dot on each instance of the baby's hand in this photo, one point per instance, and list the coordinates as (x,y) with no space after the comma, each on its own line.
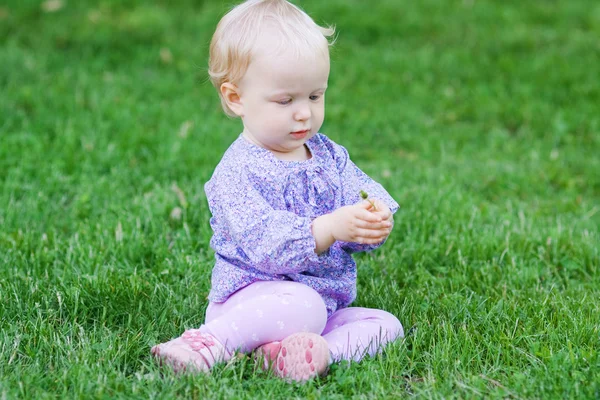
(382,210)
(357,224)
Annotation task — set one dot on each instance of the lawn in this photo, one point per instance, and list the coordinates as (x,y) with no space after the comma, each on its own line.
(482,118)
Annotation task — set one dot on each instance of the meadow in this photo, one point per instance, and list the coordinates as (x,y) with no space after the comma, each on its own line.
(481,118)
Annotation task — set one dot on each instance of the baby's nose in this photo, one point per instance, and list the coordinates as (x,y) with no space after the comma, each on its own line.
(303,113)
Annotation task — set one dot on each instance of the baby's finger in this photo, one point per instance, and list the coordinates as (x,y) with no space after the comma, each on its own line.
(372,234)
(381,208)
(382,225)
(371,240)
(385,215)
(365,204)
(368,216)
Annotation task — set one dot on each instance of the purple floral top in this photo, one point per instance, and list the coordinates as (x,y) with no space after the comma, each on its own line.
(262,209)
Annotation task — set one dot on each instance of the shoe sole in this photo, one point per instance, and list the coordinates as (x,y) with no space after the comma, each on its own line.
(301,356)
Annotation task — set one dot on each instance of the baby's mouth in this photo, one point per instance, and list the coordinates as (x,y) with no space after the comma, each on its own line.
(300,134)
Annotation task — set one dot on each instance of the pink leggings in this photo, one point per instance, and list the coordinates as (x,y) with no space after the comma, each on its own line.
(265,312)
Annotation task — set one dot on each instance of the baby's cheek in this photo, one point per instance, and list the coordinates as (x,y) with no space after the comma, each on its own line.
(318,121)
(274,124)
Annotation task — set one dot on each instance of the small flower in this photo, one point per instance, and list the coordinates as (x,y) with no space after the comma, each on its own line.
(365,196)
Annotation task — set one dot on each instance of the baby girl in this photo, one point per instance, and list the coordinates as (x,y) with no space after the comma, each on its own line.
(286,206)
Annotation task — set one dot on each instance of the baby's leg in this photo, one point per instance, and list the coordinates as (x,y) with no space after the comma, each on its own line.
(354,332)
(265,312)
(284,318)
(260,313)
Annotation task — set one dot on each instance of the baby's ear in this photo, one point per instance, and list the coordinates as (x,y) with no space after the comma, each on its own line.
(230,93)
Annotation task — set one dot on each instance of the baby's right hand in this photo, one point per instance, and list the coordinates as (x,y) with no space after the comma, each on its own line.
(356,224)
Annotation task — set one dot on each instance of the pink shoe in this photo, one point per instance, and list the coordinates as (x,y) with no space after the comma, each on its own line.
(298,357)
(193,351)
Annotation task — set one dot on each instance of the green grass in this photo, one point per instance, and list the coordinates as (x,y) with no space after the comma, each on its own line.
(480,117)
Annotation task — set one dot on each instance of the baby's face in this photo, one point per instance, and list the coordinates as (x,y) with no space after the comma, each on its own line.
(283,101)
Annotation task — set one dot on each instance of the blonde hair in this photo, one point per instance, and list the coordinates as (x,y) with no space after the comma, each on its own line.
(233,42)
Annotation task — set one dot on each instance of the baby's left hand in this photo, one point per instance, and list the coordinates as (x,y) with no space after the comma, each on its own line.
(382,210)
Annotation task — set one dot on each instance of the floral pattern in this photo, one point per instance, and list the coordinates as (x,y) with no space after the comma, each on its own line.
(262,209)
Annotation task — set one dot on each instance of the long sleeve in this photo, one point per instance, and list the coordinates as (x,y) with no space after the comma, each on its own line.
(262,211)
(353,181)
(250,231)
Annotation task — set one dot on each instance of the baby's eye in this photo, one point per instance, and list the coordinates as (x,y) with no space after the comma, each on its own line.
(284,102)
(315,97)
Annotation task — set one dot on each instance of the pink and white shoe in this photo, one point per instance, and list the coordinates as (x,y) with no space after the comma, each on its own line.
(192,351)
(298,357)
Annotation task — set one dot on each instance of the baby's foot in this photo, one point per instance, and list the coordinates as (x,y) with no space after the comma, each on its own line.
(298,357)
(193,351)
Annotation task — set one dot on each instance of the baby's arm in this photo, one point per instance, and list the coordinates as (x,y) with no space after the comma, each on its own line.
(248,229)
(354,181)
(353,224)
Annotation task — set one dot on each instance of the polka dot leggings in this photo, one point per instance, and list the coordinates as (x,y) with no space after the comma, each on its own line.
(265,312)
